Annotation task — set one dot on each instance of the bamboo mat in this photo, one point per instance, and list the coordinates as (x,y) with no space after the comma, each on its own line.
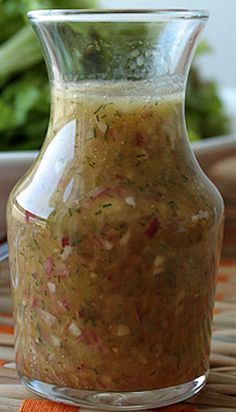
(218,396)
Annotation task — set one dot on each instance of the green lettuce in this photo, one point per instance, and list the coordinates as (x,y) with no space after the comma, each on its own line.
(24,90)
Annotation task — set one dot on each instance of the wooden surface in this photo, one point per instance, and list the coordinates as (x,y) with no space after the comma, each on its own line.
(220,392)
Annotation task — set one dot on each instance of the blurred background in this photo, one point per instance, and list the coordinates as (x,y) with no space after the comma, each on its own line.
(24,92)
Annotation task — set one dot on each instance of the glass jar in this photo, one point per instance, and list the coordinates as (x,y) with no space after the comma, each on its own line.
(115,232)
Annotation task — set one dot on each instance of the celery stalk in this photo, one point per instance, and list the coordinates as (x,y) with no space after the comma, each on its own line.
(19,53)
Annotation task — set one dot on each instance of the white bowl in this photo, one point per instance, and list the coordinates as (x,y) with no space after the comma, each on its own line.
(12,167)
(14,164)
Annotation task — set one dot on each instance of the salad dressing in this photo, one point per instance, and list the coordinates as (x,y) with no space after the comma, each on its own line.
(114,242)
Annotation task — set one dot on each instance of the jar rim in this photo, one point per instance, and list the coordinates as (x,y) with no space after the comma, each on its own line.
(113,15)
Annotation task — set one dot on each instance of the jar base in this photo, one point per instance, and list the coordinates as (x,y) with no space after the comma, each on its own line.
(117,400)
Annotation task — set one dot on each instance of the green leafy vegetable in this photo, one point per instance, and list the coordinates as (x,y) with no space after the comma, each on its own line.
(24,91)
(204,108)
(24,106)
(11,18)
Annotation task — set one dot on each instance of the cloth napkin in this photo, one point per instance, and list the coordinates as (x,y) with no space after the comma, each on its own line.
(45,406)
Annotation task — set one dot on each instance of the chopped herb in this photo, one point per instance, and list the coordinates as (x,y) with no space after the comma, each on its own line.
(107,104)
(109,195)
(98,212)
(141,155)
(142,224)
(107,205)
(185,178)
(94,132)
(119,158)
(70,211)
(106,131)
(87,314)
(98,120)
(36,243)
(178,359)
(163,246)
(98,109)
(117,113)
(129,182)
(173,206)
(77,241)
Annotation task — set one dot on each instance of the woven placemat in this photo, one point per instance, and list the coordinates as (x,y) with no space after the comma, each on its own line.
(219,394)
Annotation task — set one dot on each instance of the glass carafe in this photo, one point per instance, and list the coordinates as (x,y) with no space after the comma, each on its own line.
(115,232)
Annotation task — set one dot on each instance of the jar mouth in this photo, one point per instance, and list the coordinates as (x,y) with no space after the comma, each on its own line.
(121,15)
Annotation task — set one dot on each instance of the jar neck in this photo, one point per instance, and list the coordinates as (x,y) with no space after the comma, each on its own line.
(117,50)
(101,110)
